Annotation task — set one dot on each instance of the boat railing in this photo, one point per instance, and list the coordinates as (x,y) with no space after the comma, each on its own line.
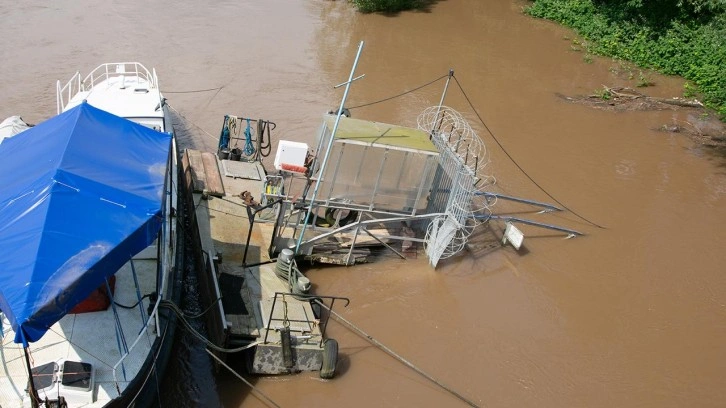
(153,317)
(313,299)
(134,70)
(166,255)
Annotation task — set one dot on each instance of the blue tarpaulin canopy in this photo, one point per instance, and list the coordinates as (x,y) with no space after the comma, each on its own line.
(80,194)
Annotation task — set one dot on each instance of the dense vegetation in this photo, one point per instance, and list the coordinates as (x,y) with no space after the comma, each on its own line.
(678,37)
(390,6)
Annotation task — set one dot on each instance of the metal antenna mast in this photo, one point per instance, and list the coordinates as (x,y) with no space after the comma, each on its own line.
(330,144)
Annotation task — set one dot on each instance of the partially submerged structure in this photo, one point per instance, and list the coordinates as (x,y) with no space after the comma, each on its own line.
(363,183)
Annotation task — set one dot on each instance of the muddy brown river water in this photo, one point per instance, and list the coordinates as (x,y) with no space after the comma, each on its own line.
(629,315)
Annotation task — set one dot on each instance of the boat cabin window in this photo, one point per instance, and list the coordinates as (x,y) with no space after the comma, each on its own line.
(151,123)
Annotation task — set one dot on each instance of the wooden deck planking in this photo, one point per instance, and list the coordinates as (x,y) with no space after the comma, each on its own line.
(205,172)
(199,180)
(224,228)
(212,175)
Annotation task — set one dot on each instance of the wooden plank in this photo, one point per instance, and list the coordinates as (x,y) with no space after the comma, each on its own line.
(212,175)
(187,170)
(199,180)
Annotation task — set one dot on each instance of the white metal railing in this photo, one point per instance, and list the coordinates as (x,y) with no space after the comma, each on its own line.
(103,72)
(167,255)
(462,155)
(143,333)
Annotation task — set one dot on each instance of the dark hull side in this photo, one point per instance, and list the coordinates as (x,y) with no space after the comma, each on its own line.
(144,390)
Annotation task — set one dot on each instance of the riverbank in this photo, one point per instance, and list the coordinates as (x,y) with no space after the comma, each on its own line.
(683,38)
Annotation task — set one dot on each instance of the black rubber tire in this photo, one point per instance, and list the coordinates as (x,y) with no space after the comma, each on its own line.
(330,359)
(330,215)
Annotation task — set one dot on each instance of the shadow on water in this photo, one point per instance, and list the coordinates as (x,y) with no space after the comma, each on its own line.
(189,379)
(227,380)
(184,131)
(421,6)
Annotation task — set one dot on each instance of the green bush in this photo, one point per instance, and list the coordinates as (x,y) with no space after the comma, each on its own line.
(370,6)
(685,38)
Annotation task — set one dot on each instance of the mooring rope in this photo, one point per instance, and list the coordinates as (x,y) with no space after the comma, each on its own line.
(156,357)
(396,356)
(236,374)
(186,120)
(219,88)
(182,318)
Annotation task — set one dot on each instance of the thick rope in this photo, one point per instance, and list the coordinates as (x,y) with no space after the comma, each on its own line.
(170,305)
(396,356)
(236,374)
(194,90)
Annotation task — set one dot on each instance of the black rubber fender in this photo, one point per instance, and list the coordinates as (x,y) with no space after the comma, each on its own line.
(330,214)
(330,359)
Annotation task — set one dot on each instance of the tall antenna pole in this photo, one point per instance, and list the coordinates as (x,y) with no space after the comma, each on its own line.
(330,144)
(441,102)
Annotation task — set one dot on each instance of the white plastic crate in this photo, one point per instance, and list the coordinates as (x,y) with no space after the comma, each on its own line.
(290,153)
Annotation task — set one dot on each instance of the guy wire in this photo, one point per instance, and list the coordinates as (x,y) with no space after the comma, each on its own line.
(401,94)
(515,163)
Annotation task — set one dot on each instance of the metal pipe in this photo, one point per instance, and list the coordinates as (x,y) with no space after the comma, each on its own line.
(352,243)
(374,221)
(441,102)
(251,213)
(34,398)
(384,244)
(378,180)
(330,144)
(334,176)
(536,224)
(424,176)
(519,200)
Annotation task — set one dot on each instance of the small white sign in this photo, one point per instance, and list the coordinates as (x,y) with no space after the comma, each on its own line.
(513,235)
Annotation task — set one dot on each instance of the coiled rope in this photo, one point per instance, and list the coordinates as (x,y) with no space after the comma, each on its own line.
(263,126)
(183,319)
(297,283)
(249,148)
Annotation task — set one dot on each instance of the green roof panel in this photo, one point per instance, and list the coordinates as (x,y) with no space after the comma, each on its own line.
(380,134)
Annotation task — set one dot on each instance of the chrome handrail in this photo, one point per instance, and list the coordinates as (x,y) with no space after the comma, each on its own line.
(165,257)
(102,72)
(152,318)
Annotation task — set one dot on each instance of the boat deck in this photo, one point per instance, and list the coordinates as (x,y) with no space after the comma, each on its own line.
(126,89)
(247,284)
(89,338)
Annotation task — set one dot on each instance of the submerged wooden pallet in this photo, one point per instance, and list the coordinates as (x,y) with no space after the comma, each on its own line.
(334,254)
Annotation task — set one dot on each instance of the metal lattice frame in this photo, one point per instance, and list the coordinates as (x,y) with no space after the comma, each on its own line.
(462,157)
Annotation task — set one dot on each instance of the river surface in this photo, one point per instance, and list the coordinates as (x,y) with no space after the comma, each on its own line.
(629,315)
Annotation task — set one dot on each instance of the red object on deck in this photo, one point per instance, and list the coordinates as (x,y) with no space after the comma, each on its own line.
(98,299)
(293,167)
